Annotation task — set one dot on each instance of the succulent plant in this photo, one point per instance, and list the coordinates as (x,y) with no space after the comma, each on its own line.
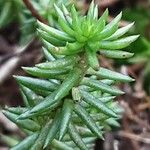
(70,102)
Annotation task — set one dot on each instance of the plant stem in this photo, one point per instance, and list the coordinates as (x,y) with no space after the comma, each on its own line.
(33,11)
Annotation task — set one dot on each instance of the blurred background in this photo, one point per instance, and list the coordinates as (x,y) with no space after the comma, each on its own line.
(20,46)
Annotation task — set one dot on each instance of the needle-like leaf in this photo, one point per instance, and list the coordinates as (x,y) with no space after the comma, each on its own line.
(97,103)
(108,74)
(76,137)
(118,44)
(87,119)
(66,115)
(98,85)
(52,130)
(26,143)
(116,54)
(55,33)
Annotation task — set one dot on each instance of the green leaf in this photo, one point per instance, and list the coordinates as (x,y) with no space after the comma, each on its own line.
(113,122)
(30,95)
(65,27)
(85,132)
(116,54)
(107,81)
(90,99)
(25,101)
(16,110)
(60,145)
(109,29)
(71,80)
(52,131)
(96,12)
(67,14)
(63,22)
(76,25)
(97,117)
(26,124)
(59,13)
(75,20)
(104,16)
(76,137)
(90,13)
(108,74)
(120,32)
(69,49)
(92,59)
(43,73)
(40,84)
(87,119)
(65,117)
(98,85)
(87,140)
(118,44)
(100,24)
(48,104)
(38,145)
(55,33)
(44,35)
(51,48)
(104,99)
(26,143)
(48,55)
(60,63)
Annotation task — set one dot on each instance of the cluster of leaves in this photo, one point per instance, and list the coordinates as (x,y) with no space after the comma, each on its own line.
(21,15)
(70,103)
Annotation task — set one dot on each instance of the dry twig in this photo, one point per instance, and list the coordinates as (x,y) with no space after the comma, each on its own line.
(134,137)
(8,66)
(129,114)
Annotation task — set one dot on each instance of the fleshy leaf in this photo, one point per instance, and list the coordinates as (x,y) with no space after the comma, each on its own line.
(97,103)
(120,32)
(52,131)
(108,74)
(98,85)
(76,137)
(60,63)
(116,54)
(26,143)
(87,119)
(66,115)
(54,32)
(26,124)
(118,44)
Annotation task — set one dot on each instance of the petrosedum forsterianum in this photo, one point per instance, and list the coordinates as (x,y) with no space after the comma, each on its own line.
(70,103)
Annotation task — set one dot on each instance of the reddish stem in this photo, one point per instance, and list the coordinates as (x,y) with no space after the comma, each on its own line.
(33,11)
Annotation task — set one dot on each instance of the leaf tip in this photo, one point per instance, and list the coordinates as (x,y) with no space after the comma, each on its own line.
(45,144)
